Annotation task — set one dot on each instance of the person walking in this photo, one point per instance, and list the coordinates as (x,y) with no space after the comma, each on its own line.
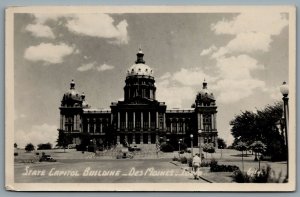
(196,166)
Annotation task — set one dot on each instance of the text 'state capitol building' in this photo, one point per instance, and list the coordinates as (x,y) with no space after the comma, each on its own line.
(140,118)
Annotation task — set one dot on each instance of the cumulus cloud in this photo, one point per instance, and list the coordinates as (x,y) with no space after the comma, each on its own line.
(37,134)
(190,77)
(40,30)
(99,25)
(174,95)
(48,53)
(267,22)
(209,50)
(234,63)
(235,79)
(93,66)
(94,25)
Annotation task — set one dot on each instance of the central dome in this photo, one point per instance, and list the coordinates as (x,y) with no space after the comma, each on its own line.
(140,68)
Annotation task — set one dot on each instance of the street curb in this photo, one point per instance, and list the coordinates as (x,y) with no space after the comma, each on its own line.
(201,177)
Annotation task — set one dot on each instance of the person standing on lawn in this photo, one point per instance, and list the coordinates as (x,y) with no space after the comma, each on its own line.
(196,166)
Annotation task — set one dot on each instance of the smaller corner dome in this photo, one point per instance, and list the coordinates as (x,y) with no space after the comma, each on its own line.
(140,69)
(72,93)
(205,92)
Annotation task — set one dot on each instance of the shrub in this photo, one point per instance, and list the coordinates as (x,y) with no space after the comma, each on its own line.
(166,147)
(190,162)
(175,159)
(46,146)
(29,147)
(37,153)
(205,164)
(183,160)
(265,175)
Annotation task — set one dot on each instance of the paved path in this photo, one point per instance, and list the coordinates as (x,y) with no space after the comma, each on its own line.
(103,171)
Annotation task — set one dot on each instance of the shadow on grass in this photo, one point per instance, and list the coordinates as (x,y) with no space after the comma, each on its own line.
(240,155)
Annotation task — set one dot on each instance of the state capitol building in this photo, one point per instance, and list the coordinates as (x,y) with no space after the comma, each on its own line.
(139,118)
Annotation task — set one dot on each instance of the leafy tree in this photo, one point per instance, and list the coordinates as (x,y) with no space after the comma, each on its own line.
(261,125)
(46,146)
(258,147)
(15,145)
(62,139)
(221,143)
(29,147)
(242,146)
(208,148)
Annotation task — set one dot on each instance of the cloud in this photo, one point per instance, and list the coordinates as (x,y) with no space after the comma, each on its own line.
(37,134)
(104,67)
(191,77)
(266,22)
(93,66)
(235,79)
(209,50)
(174,95)
(40,30)
(234,64)
(48,52)
(99,25)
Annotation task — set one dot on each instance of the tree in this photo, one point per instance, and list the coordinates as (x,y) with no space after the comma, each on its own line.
(242,146)
(221,143)
(258,147)
(208,148)
(15,145)
(62,139)
(46,146)
(29,147)
(261,125)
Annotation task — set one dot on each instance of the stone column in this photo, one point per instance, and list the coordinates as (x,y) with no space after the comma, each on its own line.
(199,121)
(88,125)
(177,126)
(142,120)
(141,139)
(119,120)
(111,118)
(133,138)
(183,125)
(156,120)
(133,120)
(212,122)
(101,126)
(149,120)
(126,120)
(118,139)
(164,119)
(95,125)
(215,121)
(149,138)
(171,125)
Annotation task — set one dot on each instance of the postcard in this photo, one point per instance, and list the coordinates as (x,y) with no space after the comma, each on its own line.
(150,98)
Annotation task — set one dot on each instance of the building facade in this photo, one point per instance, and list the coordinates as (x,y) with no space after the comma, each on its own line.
(139,118)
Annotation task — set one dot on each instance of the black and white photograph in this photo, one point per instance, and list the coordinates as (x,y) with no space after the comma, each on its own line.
(150,98)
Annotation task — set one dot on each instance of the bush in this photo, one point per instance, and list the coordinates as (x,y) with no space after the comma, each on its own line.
(37,153)
(183,160)
(175,159)
(205,164)
(166,147)
(29,147)
(215,167)
(46,146)
(265,175)
(190,162)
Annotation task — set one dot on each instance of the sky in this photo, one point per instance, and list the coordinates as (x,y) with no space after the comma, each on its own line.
(242,56)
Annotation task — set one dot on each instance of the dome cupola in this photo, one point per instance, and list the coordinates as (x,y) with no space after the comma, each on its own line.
(205,96)
(140,68)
